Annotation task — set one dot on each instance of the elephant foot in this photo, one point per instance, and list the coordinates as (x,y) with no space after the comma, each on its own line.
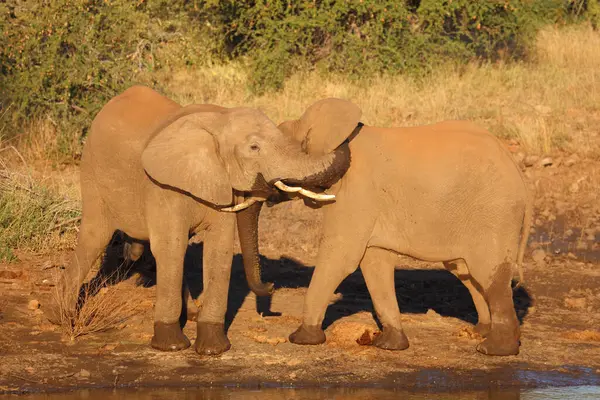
(307,334)
(499,343)
(391,339)
(211,339)
(482,329)
(169,337)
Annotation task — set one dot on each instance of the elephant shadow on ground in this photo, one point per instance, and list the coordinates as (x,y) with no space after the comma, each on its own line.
(417,290)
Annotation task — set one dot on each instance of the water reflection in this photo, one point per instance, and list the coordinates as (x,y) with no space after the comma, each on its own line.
(576,392)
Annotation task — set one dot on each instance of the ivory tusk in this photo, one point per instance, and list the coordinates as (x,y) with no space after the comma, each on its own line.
(316,196)
(290,189)
(305,192)
(245,204)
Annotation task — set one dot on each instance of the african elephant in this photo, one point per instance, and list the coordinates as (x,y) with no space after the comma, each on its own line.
(159,172)
(446,192)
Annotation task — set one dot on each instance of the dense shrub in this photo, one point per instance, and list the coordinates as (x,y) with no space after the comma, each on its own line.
(66,58)
(363,37)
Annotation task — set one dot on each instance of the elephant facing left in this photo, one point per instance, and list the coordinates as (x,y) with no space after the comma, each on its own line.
(159,172)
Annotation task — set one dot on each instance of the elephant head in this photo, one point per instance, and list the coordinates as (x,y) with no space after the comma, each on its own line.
(217,154)
(321,130)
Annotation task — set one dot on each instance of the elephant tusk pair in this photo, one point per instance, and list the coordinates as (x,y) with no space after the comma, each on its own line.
(284,188)
(305,192)
(243,205)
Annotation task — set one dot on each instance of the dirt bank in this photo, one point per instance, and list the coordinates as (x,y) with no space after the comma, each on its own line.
(559,306)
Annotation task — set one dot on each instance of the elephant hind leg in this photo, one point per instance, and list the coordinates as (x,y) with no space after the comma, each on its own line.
(503,337)
(484,320)
(378,270)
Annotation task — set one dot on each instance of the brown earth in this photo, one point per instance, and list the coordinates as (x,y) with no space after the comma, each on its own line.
(558,305)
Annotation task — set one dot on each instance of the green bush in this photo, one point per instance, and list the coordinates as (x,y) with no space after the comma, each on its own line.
(66,58)
(365,37)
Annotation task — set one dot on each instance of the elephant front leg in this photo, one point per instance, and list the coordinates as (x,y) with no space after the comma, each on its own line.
(378,270)
(342,247)
(169,251)
(218,253)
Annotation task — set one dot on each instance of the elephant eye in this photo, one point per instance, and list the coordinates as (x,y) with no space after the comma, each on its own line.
(255,147)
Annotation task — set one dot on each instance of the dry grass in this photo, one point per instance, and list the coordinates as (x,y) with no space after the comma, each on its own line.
(105,307)
(33,216)
(550,104)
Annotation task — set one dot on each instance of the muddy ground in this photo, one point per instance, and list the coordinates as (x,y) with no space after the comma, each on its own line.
(558,305)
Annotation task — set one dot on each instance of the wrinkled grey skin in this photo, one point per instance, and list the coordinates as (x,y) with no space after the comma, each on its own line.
(160,172)
(448,192)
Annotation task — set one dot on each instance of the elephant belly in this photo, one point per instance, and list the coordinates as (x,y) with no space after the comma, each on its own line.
(424,242)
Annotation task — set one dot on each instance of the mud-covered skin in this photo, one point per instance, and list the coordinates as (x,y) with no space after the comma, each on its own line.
(503,337)
(482,329)
(308,335)
(169,337)
(211,339)
(391,339)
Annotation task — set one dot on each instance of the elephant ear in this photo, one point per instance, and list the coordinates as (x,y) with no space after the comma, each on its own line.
(289,128)
(326,124)
(185,155)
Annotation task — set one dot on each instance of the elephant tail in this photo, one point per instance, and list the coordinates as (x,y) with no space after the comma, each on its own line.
(527,217)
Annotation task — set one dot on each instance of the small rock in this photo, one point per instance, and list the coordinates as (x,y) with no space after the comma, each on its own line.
(576,303)
(568,233)
(572,160)
(530,160)
(546,162)
(274,341)
(33,305)
(538,256)
(432,313)
(83,374)
(292,375)
(572,256)
(574,188)
(590,234)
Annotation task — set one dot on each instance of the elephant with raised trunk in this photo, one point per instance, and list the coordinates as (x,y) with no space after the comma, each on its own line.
(158,171)
(448,192)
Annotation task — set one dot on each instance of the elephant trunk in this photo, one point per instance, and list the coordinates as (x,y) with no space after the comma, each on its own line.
(247,222)
(320,171)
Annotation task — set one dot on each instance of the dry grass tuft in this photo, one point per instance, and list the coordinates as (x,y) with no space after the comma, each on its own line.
(32,216)
(105,307)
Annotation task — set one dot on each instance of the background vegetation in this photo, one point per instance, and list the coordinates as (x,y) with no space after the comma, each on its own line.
(529,70)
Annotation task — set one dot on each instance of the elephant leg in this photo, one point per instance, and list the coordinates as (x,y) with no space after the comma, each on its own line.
(94,235)
(190,305)
(484,320)
(169,251)
(378,269)
(218,254)
(342,247)
(503,337)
